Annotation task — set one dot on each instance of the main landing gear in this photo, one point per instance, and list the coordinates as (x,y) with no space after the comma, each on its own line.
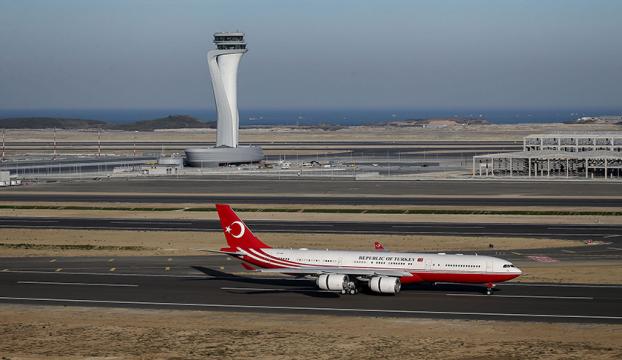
(350,289)
(489,288)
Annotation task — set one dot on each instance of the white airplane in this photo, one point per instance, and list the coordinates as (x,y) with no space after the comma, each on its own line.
(349,271)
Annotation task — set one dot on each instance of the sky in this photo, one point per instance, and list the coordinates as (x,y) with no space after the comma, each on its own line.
(321,54)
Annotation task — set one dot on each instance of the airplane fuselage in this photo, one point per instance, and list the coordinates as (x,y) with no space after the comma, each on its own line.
(424,267)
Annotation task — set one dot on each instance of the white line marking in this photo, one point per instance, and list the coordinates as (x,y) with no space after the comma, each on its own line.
(73,283)
(325,309)
(150,222)
(614,248)
(611,236)
(272,289)
(582,228)
(528,296)
(563,285)
(305,225)
(145,275)
(438,226)
(568,251)
(28,221)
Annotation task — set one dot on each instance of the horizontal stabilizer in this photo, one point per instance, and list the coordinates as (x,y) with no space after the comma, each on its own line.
(232,253)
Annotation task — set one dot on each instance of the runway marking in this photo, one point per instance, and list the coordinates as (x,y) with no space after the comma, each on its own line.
(528,296)
(323,309)
(614,248)
(611,236)
(145,275)
(298,225)
(151,222)
(583,228)
(563,285)
(568,251)
(112,269)
(59,270)
(273,289)
(168,268)
(74,283)
(516,253)
(53,260)
(110,260)
(542,259)
(29,221)
(438,226)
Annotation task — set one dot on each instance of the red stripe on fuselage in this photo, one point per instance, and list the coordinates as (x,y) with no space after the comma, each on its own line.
(477,278)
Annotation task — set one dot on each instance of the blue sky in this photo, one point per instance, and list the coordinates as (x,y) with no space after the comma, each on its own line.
(313,54)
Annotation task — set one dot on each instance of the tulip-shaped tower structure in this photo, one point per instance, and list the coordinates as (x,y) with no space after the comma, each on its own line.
(223,67)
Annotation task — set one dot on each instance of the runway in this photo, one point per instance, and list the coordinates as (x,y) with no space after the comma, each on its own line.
(15,196)
(613,233)
(166,283)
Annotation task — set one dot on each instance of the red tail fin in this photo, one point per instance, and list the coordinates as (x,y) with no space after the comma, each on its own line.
(378,246)
(238,235)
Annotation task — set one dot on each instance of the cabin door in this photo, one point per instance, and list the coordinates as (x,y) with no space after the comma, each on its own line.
(489,266)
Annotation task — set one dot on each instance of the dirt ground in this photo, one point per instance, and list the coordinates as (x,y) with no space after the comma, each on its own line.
(583,272)
(497,132)
(309,216)
(187,242)
(40,332)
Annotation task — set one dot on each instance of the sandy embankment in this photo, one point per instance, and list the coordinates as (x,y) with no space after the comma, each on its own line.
(39,332)
(187,242)
(176,213)
(498,132)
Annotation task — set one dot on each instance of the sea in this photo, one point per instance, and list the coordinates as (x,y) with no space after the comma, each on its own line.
(302,117)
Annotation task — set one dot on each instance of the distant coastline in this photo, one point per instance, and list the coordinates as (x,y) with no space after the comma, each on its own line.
(304,117)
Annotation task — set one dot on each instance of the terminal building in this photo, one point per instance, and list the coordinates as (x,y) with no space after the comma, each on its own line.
(223,65)
(557,155)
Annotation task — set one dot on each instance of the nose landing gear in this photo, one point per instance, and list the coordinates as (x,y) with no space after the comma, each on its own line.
(489,288)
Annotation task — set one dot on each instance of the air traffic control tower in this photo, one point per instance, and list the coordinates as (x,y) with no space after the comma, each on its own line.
(223,67)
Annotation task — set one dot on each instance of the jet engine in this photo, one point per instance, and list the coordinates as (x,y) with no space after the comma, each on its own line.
(385,284)
(334,282)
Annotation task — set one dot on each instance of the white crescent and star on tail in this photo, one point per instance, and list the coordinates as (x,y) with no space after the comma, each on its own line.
(242,229)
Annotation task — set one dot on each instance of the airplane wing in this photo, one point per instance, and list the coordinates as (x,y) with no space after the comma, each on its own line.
(337,270)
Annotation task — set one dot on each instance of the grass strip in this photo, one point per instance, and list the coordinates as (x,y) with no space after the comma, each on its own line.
(69,247)
(330,210)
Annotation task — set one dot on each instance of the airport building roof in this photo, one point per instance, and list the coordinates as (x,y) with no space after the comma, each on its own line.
(554,154)
(613,134)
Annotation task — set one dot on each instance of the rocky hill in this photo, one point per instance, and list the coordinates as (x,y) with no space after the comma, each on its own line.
(169,122)
(48,123)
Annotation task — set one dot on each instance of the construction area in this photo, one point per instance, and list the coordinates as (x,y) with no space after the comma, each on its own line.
(557,155)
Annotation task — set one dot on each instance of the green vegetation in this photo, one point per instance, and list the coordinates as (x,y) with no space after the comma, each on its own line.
(329,210)
(169,122)
(70,247)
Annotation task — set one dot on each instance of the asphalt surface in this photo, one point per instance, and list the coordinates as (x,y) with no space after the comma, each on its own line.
(208,200)
(195,186)
(575,232)
(165,283)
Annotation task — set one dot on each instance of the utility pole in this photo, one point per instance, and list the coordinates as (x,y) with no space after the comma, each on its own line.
(135,143)
(99,142)
(3,148)
(54,156)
